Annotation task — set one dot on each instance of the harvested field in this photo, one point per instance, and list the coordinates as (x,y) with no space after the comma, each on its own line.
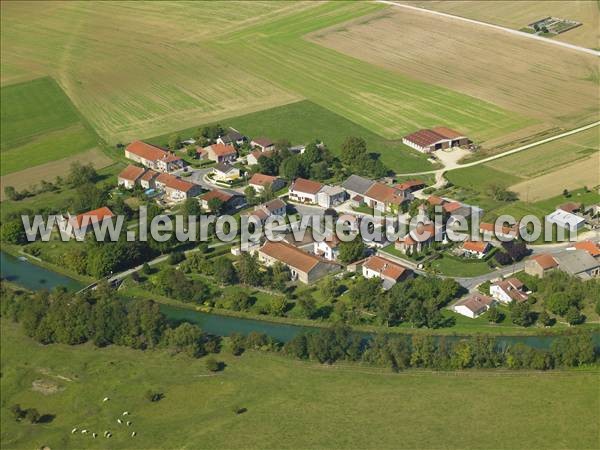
(24,179)
(547,157)
(554,86)
(582,173)
(504,13)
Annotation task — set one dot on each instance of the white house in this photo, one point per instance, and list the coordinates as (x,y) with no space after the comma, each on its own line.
(508,290)
(225,172)
(474,305)
(304,191)
(259,181)
(328,248)
(130,176)
(565,220)
(477,249)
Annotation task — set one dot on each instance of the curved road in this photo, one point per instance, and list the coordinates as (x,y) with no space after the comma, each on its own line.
(496,27)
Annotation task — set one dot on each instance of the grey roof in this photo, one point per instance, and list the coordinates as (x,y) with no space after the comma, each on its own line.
(224,167)
(576,261)
(357,184)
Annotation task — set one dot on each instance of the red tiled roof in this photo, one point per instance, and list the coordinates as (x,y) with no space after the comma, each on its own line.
(545,261)
(173,182)
(261,179)
(385,267)
(97,215)
(447,132)
(433,200)
(485,227)
(452,206)
(307,186)
(409,184)
(221,149)
(290,255)
(570,207)
(146,151)
(385,194)
(475,246)
(131,173)
(149,175)
(591,247)
(275,204)
(216,193)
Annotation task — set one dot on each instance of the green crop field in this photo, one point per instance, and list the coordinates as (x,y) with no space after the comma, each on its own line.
(290,404)
(39,125)
(304,121)
(145,72)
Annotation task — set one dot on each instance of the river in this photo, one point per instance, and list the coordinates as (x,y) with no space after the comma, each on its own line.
(35,277)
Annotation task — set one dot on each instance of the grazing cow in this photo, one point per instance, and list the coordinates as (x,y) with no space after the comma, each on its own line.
(105,399)
(84,431)
(133,434)
(126,413)
(74,430)
(108,435)
(128,423)
(94,435)
(119,421)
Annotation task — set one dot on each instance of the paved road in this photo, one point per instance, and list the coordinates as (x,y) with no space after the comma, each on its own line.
(496,27)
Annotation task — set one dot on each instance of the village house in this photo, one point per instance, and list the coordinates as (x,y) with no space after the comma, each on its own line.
(388,271)
(175,188)
(491,231)
(565,220)
(304,191)
(153,157)
(262,212)
(84,222)
(229,200)
(303,266)
(330,196)
(252,158)
(259,181)
(385,198)
(232,137)
(540,265)
(476,249)
(328,248)
(262,144)
(474,305)
(130,176)
(225,173)
(419,238)
(148,180)
(439,138)
(508,290)
(219,153)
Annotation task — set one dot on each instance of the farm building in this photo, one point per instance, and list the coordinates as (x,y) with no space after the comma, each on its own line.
(356,185)
(153,157)
(330,196)
(540,265)
(565,220)
(262,144)
(578,263)
(439,138)
(385,198)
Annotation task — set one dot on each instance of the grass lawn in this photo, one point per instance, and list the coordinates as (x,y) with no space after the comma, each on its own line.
(457,267)
(305,121)
(40,124)
(290,404)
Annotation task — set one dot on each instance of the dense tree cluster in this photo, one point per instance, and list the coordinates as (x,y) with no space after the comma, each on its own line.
(421,351)
(101,317)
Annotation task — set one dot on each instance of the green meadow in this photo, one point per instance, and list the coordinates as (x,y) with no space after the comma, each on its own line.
(40,124)
(304,121)
(290,404)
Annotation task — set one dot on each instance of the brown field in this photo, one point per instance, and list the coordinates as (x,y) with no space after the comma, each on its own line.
(582,173)
(505,13)
(557,87)
(24,179)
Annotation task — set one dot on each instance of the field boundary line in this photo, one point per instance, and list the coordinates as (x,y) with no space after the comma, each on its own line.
(497,27)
